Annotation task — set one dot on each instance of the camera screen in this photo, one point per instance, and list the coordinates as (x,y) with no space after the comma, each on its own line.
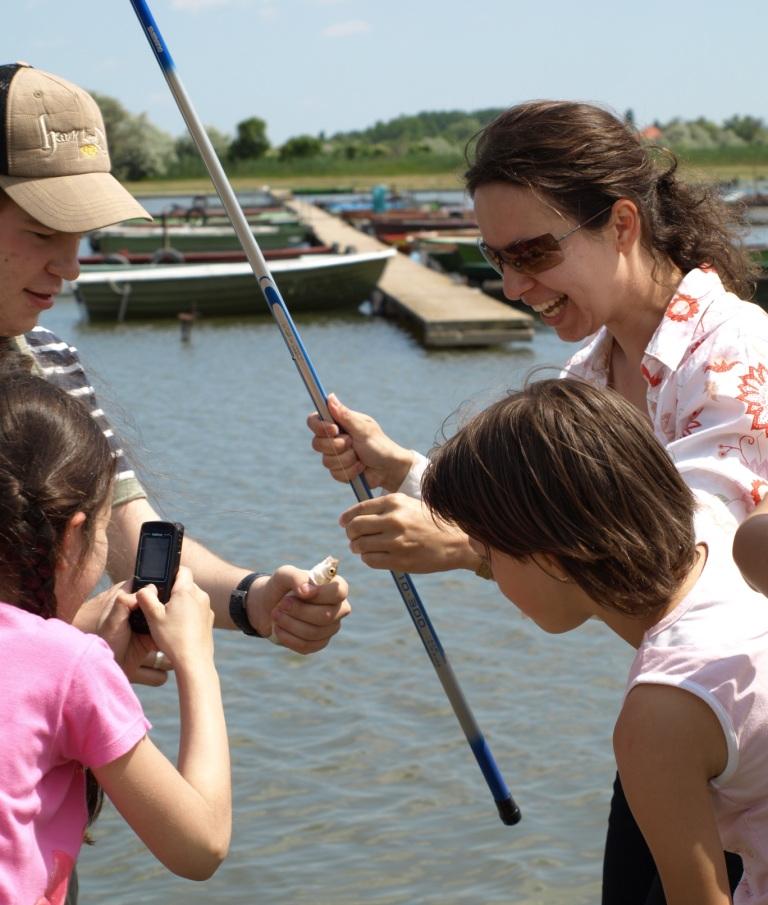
(153,557)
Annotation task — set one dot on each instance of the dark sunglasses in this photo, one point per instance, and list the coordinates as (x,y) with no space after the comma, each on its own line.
(531,256)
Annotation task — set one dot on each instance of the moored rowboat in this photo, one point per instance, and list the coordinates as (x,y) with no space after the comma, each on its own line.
(189,237)
(306,283)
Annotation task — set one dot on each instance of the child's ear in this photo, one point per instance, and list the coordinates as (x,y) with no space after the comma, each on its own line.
(72,541)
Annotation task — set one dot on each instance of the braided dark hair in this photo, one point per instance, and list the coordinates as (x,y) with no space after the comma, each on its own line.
(54,462)
(583,158)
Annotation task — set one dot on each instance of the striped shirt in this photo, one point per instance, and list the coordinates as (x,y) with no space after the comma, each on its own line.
(58,362)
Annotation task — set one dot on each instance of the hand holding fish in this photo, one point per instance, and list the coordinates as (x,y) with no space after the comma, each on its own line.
(321,573)
(298,608)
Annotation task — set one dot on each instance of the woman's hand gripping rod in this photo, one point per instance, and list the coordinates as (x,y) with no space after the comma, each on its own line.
(508,810)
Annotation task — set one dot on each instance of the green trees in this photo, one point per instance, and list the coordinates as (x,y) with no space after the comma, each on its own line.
(137,148)
(406,134)
(251,141)
(140,150)
(702,134)
(186,150)
(301,146)
(748,128)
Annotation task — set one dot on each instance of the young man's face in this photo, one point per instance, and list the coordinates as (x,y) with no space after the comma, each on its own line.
(34,262)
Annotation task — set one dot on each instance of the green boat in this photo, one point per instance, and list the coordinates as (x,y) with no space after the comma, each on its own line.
(458,254)
(190,237)
(306,283)
(200,217)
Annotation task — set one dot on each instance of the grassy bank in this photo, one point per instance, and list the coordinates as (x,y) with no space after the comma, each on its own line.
(447,177)
(202,185)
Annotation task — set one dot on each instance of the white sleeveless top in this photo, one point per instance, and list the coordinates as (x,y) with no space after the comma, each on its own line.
(714,644)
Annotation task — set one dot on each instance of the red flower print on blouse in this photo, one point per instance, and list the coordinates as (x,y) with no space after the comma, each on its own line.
(720,365)
(653,379)
(693,423)
(682,307)
(758,491)
(754,392)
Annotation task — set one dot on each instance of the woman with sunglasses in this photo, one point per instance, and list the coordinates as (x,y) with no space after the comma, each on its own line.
(597,234)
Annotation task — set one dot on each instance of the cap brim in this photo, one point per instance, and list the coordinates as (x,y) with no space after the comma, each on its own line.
(74,204)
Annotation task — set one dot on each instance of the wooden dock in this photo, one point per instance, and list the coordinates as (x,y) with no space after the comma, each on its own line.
(444,313)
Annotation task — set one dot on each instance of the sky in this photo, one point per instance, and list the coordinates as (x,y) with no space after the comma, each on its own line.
(311,66)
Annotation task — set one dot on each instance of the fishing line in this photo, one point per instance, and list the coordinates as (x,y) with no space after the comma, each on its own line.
(508,810)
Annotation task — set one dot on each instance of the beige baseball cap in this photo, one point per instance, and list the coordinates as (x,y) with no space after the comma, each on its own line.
(54,161)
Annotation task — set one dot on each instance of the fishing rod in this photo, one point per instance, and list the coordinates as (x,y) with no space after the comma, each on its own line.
(508,809)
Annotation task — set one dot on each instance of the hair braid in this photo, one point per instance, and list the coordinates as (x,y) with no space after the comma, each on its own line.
(38,551)
(54,462)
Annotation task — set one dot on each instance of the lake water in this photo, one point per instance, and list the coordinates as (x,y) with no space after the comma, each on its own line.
(353,782)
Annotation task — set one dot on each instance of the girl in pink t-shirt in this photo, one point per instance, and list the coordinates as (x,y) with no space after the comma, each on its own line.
(581,513)
(72,725)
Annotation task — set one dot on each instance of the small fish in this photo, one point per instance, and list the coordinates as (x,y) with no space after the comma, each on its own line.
(322,573)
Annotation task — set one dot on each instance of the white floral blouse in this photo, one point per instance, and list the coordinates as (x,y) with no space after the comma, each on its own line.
(706,367)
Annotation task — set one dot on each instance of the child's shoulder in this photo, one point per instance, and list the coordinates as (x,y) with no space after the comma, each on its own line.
(46,640)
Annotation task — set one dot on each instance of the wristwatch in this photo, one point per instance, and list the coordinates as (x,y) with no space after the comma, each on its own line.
(237,612)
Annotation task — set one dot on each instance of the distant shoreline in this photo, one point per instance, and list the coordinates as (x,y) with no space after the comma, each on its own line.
(439,181)
(201,186)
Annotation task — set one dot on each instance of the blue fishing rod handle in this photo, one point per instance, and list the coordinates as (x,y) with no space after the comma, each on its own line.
(507,807)
(158,45)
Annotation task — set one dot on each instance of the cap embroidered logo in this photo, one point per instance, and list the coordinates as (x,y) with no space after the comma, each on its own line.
(54,158)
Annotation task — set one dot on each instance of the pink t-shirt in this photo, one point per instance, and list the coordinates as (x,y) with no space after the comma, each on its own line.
(65,704)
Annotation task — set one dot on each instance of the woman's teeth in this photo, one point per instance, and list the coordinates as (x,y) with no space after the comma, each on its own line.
(550,308)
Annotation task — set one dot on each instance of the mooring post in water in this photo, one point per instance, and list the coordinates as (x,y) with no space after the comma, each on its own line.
(186,319)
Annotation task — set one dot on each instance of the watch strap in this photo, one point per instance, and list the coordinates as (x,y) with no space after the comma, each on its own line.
(237,611)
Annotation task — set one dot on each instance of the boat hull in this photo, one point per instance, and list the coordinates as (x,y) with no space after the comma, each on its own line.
(225,290)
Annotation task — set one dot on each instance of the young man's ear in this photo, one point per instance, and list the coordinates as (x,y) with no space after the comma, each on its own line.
(72,541)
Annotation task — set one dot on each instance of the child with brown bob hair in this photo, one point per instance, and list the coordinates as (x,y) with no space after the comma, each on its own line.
(581,513)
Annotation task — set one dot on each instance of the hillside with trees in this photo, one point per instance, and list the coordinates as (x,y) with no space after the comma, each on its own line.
(430,141)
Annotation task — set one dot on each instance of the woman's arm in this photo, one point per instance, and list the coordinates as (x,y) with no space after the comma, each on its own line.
(183,815)
(668,745)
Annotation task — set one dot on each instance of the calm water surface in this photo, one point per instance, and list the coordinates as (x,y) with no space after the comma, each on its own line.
(353,782)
